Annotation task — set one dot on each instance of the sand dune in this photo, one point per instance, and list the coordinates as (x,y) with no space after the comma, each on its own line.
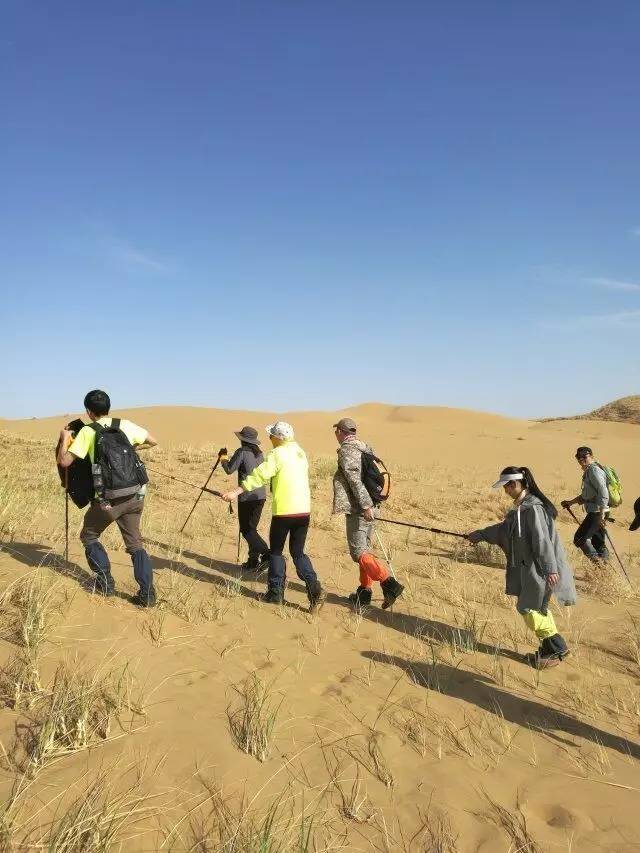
(389,725)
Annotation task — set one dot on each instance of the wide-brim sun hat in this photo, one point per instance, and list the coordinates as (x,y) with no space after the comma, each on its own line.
(507,478)
(248,434)
(281,430)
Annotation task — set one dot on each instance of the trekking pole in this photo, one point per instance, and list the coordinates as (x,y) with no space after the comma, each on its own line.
(384,551)
(200,495)
(421,527)
(238,552)
(66,516)
(613,548)
(610,540)
(187,483)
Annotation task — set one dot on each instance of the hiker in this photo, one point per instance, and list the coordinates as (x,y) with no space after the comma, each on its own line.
(351,499)
(635,524)
(250,504)
(287,470)
(537,566)
(116,438)
(590,535)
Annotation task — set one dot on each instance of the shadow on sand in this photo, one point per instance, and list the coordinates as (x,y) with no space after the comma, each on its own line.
(480,691)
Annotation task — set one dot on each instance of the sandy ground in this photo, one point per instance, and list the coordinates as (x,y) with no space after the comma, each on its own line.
(398,730)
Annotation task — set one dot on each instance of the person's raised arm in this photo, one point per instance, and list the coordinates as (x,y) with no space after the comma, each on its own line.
(230,465)
(149,441)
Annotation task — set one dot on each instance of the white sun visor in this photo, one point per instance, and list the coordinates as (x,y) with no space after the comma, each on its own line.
(507,478)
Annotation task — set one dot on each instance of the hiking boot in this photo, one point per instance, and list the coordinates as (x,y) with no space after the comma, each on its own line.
(141,599)
(316,596)
(391,590)
(273,596)
(257,564)
(361,597)
(552,651)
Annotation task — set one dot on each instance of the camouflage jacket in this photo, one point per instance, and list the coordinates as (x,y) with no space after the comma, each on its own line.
(349,494)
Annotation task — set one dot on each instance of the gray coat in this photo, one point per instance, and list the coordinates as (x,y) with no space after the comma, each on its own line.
(595,492)
(529,538)
(349,494)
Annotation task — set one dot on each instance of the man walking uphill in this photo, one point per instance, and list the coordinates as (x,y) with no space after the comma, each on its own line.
(286,469)
(594,496)
(351,498)
(119,480)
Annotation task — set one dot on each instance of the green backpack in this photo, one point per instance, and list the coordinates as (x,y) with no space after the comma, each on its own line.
(613,485)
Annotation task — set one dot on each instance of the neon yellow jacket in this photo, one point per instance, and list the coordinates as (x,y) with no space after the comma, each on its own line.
(287,470)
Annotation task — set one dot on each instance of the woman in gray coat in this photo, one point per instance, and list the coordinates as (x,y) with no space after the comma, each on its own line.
(537,566)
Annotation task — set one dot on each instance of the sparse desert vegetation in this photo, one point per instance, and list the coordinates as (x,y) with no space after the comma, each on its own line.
(218,723)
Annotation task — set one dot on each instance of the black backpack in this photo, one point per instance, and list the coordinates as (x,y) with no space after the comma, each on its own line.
(117,469)
(77,477)
(375,477)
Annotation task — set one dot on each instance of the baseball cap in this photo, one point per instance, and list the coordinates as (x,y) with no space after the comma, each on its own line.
(280,429)
(635,524)
(346,425)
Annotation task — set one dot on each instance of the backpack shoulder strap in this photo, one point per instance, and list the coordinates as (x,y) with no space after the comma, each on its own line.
(115,423)
(95,426)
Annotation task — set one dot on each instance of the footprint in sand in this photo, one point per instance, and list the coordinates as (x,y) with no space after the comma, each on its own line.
(560,817)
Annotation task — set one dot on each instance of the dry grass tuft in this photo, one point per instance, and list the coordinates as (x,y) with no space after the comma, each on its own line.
(514,823)
(221,824)
(80,710)
(29,608)
(100,819)
(252,724)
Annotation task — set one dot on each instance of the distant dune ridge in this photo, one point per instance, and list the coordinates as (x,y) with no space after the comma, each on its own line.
(626,409)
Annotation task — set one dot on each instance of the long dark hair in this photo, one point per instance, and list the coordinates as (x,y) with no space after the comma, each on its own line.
(529,483)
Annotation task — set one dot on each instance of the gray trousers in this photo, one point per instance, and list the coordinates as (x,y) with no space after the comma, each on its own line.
(359,534)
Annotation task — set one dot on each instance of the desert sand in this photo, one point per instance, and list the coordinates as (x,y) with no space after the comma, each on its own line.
(416,729)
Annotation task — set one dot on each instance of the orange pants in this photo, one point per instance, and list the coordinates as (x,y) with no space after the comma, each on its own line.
(371,569)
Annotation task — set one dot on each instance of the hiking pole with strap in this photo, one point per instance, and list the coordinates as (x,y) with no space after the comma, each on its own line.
(193,485)
(421,527)
(200,495)
(610,540)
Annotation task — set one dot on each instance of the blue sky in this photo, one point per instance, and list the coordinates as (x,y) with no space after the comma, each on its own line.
(297,205)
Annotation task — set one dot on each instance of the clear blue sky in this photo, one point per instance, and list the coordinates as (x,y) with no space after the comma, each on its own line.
(283,205)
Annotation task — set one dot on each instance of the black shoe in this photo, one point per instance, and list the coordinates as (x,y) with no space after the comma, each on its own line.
(316,596)
(256,564)
(144,600)
(361,597)
(273,596)
(552,651)
(391,590)
(261,564)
